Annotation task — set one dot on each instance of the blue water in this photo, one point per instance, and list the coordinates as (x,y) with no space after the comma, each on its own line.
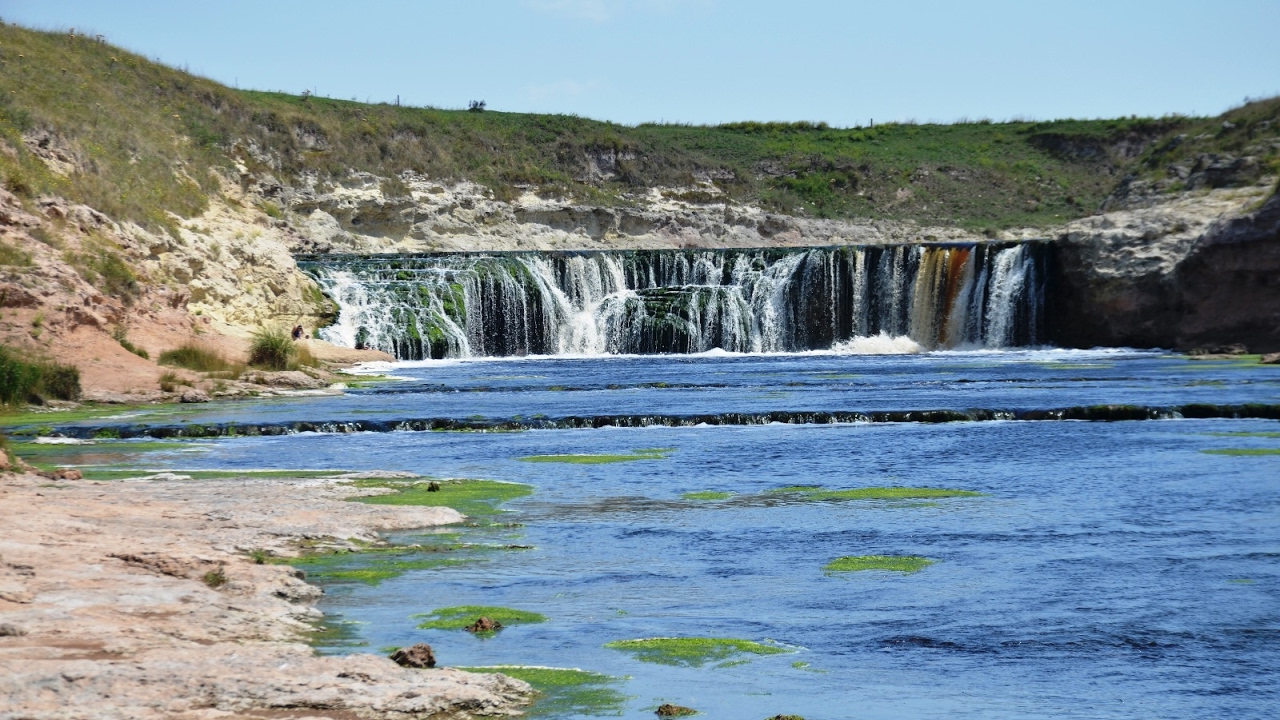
(1108,570)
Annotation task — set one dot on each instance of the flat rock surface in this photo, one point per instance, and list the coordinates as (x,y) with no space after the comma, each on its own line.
(107,613)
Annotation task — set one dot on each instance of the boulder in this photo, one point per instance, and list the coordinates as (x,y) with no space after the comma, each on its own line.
(669,710)
(1270,359)
(415,656)
(193,395)
(484,624)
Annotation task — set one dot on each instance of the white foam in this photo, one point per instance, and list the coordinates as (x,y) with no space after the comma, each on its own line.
(882,344)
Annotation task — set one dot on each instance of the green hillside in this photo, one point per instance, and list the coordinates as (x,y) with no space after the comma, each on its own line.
(143,139)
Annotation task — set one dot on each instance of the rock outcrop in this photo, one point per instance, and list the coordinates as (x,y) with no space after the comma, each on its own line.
(144,602)
(1204,270)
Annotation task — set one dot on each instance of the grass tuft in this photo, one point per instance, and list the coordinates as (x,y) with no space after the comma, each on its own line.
(196,357)
(694,651)
(121,337)
(215,578)
(25,380)
(272,349)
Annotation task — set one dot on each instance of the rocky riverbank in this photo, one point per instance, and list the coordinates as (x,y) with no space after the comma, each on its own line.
(139,599)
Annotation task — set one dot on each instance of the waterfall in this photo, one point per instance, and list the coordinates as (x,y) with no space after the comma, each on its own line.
(686,301)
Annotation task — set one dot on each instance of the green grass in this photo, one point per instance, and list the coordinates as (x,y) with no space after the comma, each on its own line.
(601,459)
(457,618)
(693,651)
(370,566)
(132,121)
(272,349)
(893,563)
(807,492)
(196,357)
(14,256)
(1243,452)
(24,379)
(565,692)
(474,498)
(707,495)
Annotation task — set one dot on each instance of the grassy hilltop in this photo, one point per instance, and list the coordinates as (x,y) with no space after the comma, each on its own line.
(142,140)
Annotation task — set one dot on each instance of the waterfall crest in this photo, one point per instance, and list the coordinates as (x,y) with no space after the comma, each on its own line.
(643,302)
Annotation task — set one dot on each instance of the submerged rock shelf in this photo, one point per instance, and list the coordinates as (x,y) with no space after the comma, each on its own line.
(1104,413)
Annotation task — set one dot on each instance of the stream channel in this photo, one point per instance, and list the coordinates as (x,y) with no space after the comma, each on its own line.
(1088,570)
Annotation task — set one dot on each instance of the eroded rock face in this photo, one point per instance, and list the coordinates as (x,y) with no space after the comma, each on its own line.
(362,215)
(1202,271)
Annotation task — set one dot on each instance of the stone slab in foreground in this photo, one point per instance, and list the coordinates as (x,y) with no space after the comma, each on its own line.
(104,612)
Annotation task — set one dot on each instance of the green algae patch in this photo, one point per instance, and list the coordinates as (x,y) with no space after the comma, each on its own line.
(565,692)
(1243,452)
(462,616)
(601,459)
(707,495)
(1244,434)
(469,497)
(905,564)
(807,492)
(693,652)
(334,633)
(369,567)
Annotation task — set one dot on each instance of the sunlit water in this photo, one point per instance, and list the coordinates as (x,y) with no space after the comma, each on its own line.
(1108,569)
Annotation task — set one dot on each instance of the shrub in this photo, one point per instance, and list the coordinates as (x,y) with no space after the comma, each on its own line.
(272,349)
(16,256)
(170,380)
(195,357)
(215,578)
(60,382)
(123,339)
(103,268)
(23,381)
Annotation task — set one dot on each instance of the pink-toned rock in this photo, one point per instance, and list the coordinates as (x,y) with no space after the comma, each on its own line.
(105,612)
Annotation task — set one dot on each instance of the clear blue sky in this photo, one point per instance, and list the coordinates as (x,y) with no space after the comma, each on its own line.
(711,61)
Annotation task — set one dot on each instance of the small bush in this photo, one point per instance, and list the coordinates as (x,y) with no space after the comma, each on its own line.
(15,256)
(171,380)
(23,381)
(60,382)
(123,339)
(272,349)
(260,556)
(103,268)
(195,357)
(304,357)
(272,210)
(215,578)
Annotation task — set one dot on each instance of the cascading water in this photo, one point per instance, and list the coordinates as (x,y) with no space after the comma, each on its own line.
(490,304)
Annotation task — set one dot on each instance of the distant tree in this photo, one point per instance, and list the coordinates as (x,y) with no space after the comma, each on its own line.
(475,106)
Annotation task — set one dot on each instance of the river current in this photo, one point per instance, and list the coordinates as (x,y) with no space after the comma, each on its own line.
(1105,569)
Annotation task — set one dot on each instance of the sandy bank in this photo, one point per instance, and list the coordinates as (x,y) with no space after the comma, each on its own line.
(104,611)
